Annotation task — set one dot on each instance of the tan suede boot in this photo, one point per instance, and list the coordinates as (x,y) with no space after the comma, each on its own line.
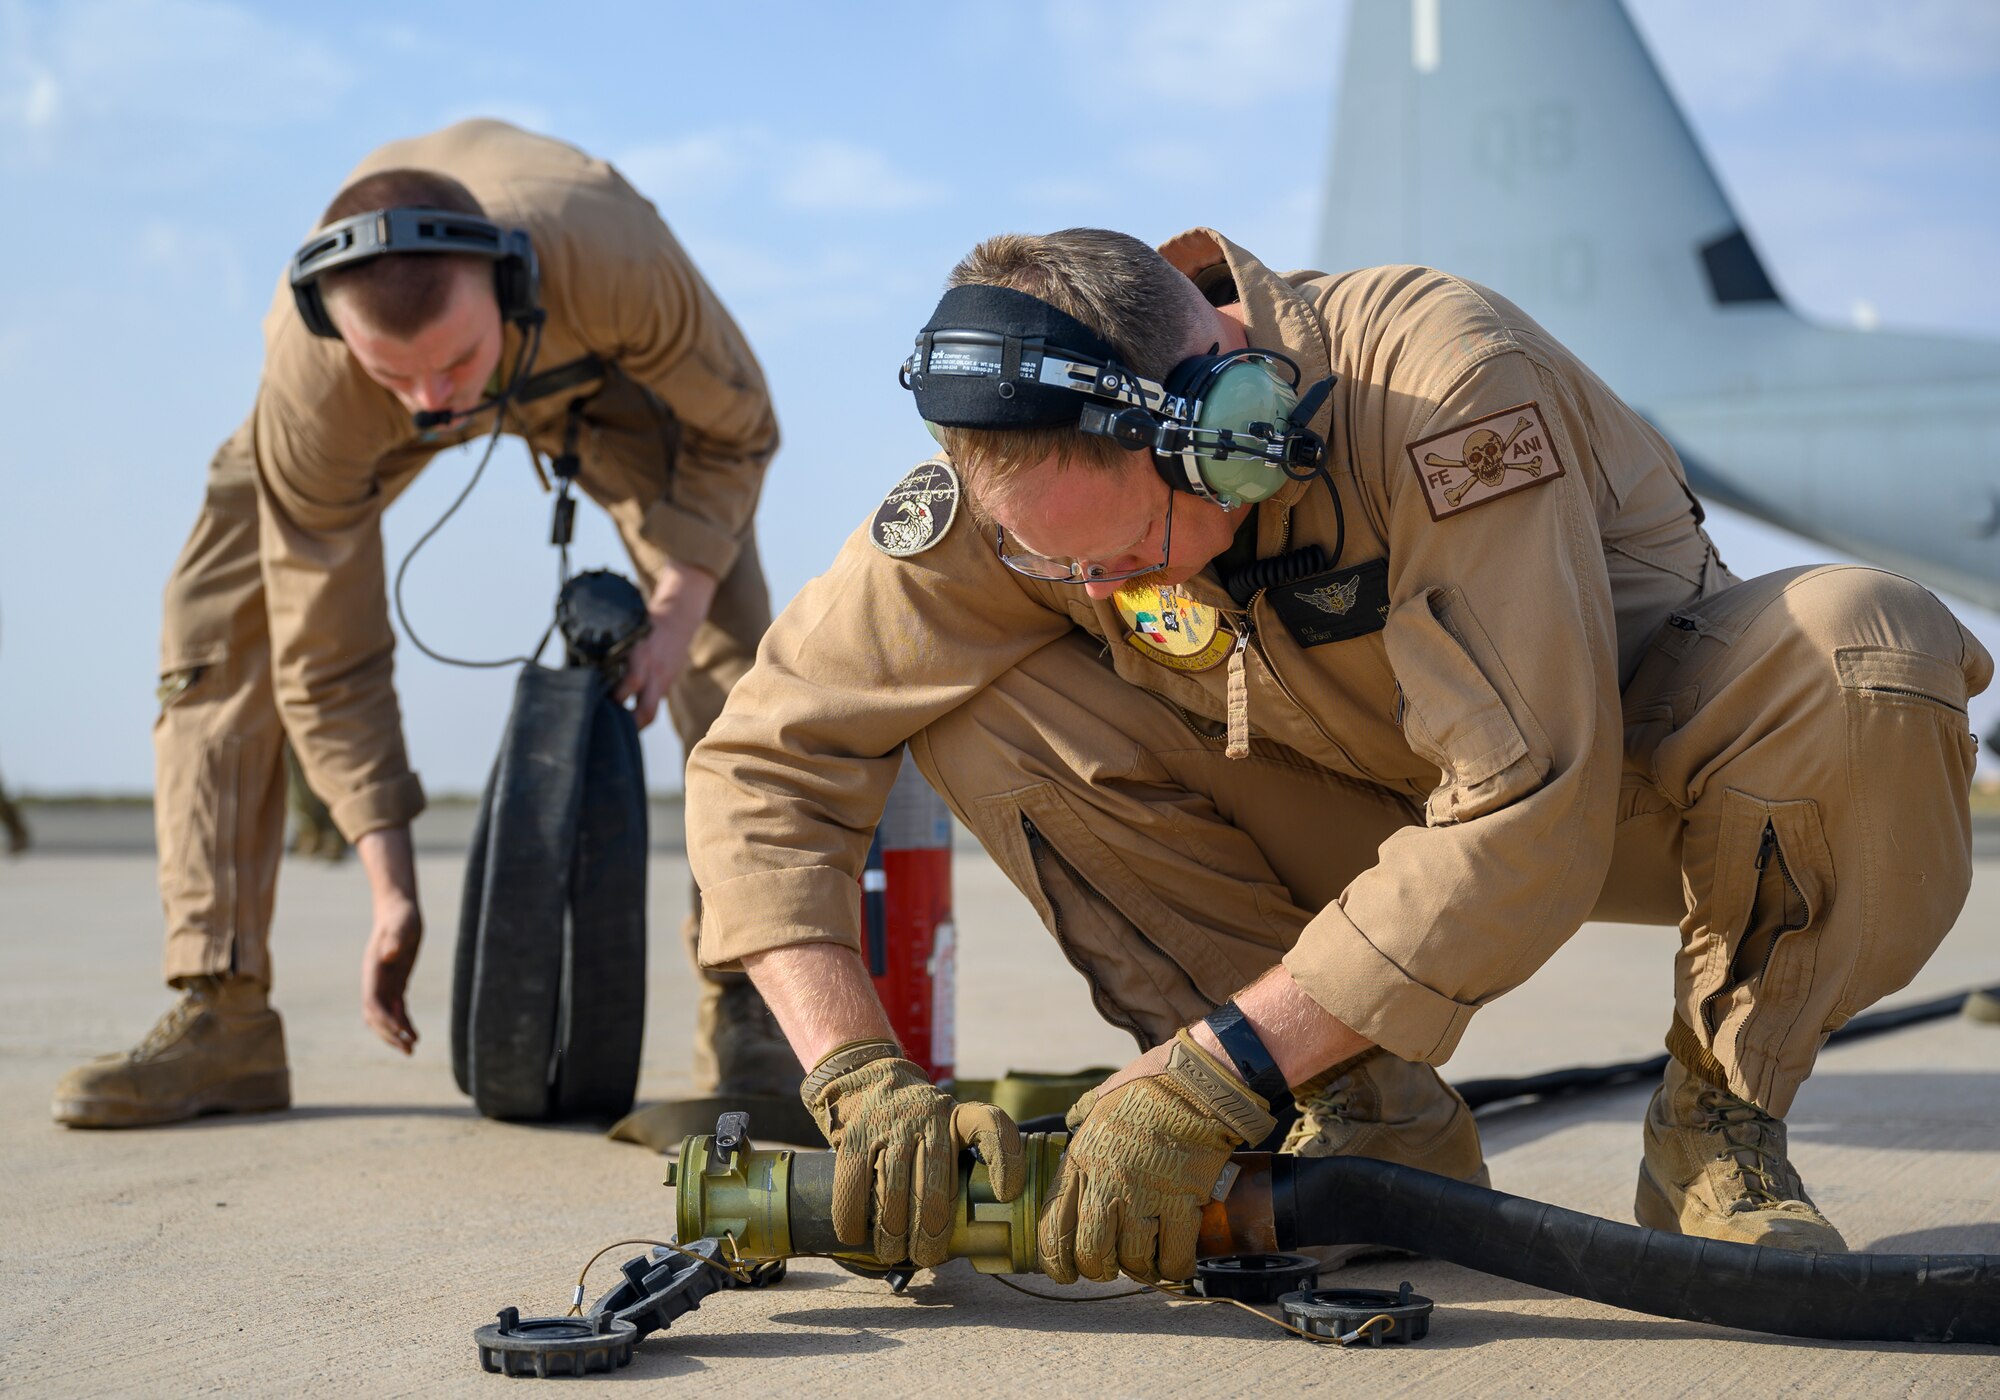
(1394,1111)
(738,1048)
(1715,1166)
(220,1049)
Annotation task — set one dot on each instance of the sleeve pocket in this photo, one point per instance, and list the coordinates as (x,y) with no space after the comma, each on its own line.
(1453,716)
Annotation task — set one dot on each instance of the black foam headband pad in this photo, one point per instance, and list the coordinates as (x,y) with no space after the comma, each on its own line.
(979,357)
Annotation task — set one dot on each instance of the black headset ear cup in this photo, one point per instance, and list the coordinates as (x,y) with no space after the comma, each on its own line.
(517,278)
(312,310)
(1187,381)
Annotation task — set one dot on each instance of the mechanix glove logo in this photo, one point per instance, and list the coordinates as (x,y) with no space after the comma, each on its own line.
(917,513)
(1485,459)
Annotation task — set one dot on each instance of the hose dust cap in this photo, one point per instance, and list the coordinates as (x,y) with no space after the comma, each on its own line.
(554,1346)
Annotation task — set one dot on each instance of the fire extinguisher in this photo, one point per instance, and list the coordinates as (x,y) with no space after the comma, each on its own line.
(907,925)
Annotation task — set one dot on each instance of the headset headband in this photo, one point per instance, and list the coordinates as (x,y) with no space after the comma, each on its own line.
(361,237)
(992,357)
(364,237)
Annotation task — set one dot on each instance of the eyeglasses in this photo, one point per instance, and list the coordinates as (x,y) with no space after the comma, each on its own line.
(1081,571)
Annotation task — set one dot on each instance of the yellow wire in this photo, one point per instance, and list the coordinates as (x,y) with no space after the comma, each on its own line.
(1179,1294)
(741,1276)
(1061,1298)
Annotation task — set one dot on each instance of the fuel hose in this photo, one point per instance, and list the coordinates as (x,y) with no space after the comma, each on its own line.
(1581,1079)
(1849,1297)
(779,1204)
(1483,1093)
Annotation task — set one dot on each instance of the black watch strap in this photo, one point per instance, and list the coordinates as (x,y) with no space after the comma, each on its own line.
(1246,1051)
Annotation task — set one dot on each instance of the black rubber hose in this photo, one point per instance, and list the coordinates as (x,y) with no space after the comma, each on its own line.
(1579,1079)
(1848,1297)
(1480,1093)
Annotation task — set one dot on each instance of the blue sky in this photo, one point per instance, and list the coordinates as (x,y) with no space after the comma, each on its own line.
(825,165)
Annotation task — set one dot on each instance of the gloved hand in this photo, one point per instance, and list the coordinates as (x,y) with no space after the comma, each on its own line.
(1146,1149)
(896,1139)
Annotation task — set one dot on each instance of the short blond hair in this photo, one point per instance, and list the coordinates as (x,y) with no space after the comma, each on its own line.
(1112,282)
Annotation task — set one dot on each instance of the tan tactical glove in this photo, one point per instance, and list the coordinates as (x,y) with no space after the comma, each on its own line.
(896,1139)
(1147,1148)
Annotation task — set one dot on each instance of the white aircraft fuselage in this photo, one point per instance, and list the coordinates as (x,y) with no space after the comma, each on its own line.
(1532,147)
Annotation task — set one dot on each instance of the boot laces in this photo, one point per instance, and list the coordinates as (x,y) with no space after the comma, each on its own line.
(1331,1104)
(1750,1138)
(1320,1113)
(168,1028)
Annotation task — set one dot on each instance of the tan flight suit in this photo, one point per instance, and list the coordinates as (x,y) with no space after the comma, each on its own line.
(277,617)
(1552,701)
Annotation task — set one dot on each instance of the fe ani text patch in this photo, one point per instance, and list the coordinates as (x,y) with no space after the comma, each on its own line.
(919,510)
(1485,459)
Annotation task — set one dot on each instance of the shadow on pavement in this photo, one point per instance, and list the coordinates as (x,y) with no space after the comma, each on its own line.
(1981,1237)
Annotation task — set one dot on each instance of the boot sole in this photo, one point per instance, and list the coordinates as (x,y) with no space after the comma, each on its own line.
(250,1093)
(1651,1209)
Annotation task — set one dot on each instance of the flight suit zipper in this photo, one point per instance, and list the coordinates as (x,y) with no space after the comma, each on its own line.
(1239,681)
(1037,846)
(1238,709)
(1912,694)
(1768,848)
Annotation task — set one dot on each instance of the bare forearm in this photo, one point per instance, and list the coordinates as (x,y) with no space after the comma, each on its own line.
(682,588)
(390,861)
(822,996)
(1301,1036)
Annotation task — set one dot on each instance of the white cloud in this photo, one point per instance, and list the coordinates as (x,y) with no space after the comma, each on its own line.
(838,176)
(1775,42)
(825,175)
(397,38)
(1191,53)
(702,166)
(41,101)
(119,64)
(193,259)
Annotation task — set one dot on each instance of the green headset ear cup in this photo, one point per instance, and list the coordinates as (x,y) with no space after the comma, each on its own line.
(935,431)
(1245,391)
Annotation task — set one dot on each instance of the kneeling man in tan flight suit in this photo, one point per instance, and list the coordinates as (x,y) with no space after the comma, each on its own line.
(605,342)
(1303,772)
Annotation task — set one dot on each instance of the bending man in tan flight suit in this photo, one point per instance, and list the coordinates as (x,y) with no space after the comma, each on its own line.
(276,617)
(1356,759)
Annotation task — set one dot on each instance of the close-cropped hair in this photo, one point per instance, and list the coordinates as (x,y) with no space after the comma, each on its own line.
(398,294)
(1112,282)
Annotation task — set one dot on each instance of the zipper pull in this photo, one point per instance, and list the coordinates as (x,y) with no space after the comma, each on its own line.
(1766,846)
(1239,699)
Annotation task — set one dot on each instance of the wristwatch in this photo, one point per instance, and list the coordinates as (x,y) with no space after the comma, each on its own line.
(1246,1051)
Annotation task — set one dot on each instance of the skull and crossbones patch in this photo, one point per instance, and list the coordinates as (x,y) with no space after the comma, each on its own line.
(1485,459)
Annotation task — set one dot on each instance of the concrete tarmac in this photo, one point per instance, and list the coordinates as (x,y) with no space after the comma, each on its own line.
(353,1244)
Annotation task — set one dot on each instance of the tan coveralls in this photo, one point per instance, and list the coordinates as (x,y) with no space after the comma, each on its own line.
(277,618)
(1564,705)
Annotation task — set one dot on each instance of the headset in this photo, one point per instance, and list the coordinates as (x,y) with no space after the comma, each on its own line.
(516,283)
(1230,428)
(364,237)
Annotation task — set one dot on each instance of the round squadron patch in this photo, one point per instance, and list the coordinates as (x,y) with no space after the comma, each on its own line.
(917,513)
(1169,627)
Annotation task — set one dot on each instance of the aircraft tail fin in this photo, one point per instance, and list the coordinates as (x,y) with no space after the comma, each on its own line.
(1534,147)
